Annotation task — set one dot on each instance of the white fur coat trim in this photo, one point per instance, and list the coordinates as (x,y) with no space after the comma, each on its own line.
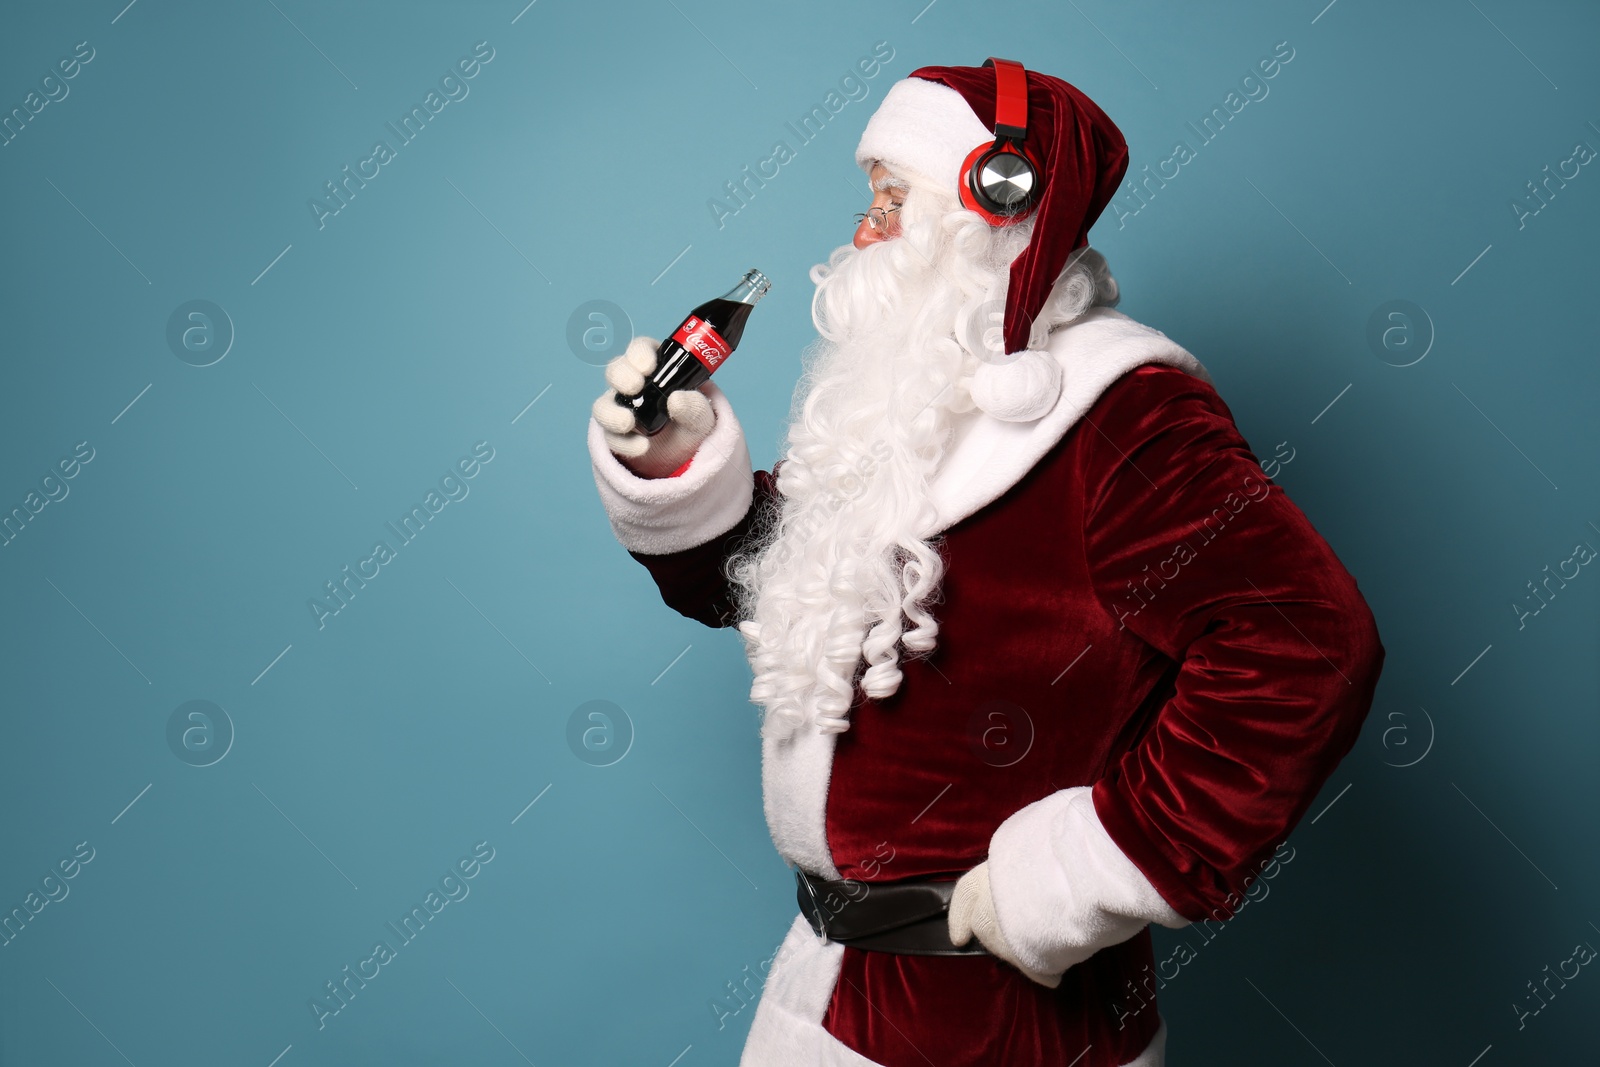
(794,791)
(787,1029)
(661,515)
(1062,889)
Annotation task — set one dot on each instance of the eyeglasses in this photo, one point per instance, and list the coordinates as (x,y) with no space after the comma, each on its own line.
(877,218)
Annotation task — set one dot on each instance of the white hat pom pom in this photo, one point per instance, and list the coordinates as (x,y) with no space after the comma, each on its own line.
(1020,390)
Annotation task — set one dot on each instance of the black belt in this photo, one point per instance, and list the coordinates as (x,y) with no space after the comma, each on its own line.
(908,917)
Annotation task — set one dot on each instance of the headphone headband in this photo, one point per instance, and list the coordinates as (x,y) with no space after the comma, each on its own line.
(1010,100)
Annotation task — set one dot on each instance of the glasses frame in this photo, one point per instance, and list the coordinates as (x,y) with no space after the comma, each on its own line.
(877,218)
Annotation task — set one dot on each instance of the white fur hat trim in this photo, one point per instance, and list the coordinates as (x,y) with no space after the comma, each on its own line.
(923,129)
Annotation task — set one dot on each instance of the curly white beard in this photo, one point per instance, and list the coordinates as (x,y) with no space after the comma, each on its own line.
(842,576)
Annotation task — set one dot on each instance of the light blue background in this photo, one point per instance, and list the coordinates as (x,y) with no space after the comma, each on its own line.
(425,316)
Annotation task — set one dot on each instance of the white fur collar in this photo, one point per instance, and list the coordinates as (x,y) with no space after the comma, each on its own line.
(989,456)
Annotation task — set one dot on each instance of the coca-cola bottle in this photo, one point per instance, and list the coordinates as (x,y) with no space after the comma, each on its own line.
(696,349)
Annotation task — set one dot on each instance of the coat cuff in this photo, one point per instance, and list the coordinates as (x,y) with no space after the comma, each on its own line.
(656,516)
(1062,889)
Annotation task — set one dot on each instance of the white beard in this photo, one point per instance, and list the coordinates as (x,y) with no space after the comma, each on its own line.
(842,576)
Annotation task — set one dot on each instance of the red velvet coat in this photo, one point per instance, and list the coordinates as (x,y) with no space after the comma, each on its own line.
(1156,621)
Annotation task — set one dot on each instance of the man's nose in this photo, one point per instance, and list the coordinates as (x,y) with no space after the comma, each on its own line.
(866,235)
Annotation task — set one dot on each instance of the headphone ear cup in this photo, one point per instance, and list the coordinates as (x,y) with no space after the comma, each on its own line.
(964,185)
(975,198)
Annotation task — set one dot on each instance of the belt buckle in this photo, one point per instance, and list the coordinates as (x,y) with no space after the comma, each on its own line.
(816,905)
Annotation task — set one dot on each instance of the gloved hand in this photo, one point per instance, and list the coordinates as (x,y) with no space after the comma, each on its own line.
(972,913)
(689,414)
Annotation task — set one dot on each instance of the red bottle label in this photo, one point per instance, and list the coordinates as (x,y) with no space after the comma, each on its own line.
(703,341)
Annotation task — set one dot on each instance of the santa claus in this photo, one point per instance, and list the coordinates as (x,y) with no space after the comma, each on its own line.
(1042,654)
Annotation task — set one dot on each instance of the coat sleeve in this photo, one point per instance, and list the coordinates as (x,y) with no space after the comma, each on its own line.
(1191,547)
(683,528)
(1279,652)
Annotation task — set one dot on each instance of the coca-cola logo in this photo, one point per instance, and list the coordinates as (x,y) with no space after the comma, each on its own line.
(704,348)
(703,341)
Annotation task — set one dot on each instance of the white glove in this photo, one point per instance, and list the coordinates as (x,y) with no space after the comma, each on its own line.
(690,418)
(972,913)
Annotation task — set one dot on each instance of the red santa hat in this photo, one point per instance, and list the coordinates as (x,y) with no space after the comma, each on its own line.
(930,121)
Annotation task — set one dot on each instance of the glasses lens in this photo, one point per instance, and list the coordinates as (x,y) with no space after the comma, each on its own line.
(877,218)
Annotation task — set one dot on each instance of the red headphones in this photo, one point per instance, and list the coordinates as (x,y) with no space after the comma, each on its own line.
(1002,179)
